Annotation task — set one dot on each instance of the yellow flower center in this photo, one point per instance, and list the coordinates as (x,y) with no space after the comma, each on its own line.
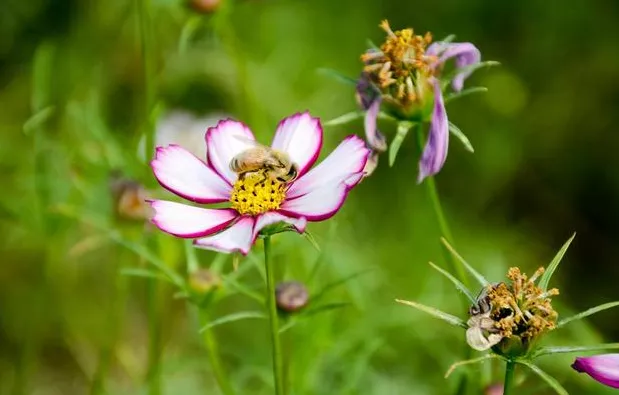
(256,193)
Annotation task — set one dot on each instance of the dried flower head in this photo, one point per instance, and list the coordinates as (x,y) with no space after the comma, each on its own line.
(129,198)
(401,69)
(404,74)
(518,313)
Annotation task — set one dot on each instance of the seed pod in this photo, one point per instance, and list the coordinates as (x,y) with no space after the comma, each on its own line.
(291,296)
(205,6)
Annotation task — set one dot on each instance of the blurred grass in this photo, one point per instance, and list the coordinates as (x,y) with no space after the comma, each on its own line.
(543,168)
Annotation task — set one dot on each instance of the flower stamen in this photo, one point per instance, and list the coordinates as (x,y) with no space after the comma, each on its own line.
(256,193)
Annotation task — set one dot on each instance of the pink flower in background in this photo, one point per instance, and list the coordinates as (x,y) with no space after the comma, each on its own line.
(602,368)
(315,195)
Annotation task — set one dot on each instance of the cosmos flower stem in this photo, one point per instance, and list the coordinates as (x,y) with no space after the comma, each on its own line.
(154,333)
(509,377)
(435,201)
(212,349)
(145,32)
(278,362)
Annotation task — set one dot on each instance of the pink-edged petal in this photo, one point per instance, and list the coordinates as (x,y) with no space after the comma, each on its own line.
(322,203)
(180,172)
(603,368)
(224,142)
(237,237)
(435,152)
(347,159)
(300,136)
(187,221)
(274,217)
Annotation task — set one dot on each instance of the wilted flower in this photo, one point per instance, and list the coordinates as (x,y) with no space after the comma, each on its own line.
(256,200)
(129,197)
(404,75)
(291,296)
(510,318)
(602,368)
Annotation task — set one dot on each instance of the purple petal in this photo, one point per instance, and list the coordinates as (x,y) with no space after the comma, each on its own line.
(376,140)
(346,160)
(300,136)
(187,221)
(182,173)
(224,142)
(237,237)
(435,151)
(602,368)
(322,203)
(466,54)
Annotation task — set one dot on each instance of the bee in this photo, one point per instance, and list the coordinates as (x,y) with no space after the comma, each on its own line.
(482,334)
(276,164)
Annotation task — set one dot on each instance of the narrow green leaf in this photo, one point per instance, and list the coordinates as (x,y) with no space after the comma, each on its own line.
(465,92)
(343,119)
(310,237)
(385,116)
(189,29)
(337,75)
(371,44)
(448,39)
(241,315)
(242,289)
(571,349)
(325,307)
(403,128)
(480,279)
(42,76)
(461,136)
(450,319)
(469,362)
(551,381)
(587,313)
(137,272)
(38,119)
(455,282)
(337,283)
(545,279)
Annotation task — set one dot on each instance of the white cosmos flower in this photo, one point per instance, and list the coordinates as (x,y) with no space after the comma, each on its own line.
(316,194)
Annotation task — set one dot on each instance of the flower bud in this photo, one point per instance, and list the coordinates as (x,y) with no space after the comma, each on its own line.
(203,280)
(205,6)
(291,296)
(129,198)
(494,389)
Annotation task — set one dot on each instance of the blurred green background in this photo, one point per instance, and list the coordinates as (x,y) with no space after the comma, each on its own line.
(72,99)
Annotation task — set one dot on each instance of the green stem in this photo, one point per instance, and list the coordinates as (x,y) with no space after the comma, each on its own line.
(147,74)
(435,200)
(278,364)
(455,265)
(154,346)
(213,354)
(509,377)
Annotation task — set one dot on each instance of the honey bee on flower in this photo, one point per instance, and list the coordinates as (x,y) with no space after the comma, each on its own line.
(255,186)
